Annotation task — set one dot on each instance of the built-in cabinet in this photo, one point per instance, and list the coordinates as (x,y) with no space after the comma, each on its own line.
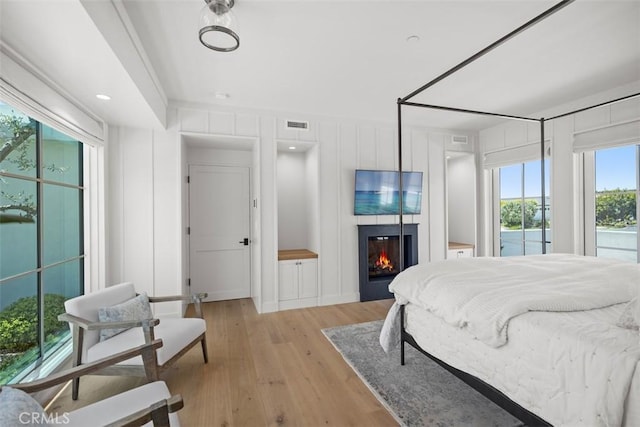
(297,278)
(459,250)
(297,171)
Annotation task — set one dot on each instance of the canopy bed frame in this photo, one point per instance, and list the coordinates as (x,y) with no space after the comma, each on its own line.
(486,389)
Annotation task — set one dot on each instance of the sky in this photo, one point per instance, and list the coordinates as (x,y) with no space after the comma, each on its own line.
(615,168)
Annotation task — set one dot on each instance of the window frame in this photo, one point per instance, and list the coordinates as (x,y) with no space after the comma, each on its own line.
(49,359)
(587,159)
(496,203)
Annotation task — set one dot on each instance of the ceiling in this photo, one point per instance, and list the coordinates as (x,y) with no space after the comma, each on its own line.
(347,59)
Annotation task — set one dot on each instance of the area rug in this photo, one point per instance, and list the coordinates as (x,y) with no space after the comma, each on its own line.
(420,393)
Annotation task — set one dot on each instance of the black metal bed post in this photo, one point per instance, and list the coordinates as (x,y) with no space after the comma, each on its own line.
(542,192)
(402,334)
(400,184)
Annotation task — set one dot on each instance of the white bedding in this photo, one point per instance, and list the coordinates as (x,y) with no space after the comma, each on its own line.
(484,294)
(543,367)
(570,364)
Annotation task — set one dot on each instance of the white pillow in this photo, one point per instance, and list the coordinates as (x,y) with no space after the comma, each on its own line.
(628,318)
(137,308)
(20,409)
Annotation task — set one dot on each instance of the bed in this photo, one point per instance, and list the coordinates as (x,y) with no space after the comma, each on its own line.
(538,334)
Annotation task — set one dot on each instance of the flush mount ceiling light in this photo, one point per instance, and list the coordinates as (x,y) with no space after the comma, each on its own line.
(218,26)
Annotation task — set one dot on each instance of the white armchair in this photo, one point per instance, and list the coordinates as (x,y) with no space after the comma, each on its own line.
(177,334)
(151,402)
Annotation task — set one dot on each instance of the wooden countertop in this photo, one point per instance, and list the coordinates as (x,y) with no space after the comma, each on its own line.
(289,254)
(456,245)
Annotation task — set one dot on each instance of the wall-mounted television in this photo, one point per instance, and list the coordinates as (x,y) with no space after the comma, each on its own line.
(377,192)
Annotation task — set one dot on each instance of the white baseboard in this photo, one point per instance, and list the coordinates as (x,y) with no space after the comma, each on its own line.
(269,307)
(272,306)
(339,299)
(298,303)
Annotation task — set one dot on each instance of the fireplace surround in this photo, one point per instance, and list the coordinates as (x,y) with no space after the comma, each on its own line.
(378,254)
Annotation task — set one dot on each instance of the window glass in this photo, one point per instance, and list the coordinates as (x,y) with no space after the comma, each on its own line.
(616,203)
(17,142)
(60,155)
(61,282)
(19,340)
(41,253)
(521,209)
(61,230)
(511,210)
(18,226)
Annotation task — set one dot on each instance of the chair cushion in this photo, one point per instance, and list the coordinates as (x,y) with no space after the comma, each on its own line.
(137,308)
(19,408)
(176,334)
(113,408)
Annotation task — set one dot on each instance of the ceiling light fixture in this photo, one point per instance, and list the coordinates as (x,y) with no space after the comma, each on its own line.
(103,97)
(413,39)
(292,148)
(218,26)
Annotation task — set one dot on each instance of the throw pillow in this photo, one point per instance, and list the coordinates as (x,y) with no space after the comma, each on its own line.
(628,318)
(19,408)
(137,308)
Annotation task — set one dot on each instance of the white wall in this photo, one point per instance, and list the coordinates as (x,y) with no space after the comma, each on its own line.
(145,213)
(461,198)
(146,195)
(293,195)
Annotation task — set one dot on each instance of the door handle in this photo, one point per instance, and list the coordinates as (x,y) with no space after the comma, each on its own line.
(245,241)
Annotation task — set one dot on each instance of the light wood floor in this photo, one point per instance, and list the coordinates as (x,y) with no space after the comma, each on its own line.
(264,369)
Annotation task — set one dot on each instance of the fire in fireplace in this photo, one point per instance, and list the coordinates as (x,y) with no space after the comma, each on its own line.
(383,253)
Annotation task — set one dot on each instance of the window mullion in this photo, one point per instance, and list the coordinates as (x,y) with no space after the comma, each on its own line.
(637,202)
(39,244)
(522,211)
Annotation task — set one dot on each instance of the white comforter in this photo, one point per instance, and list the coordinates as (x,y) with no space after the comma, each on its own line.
(483,294)
(593,363)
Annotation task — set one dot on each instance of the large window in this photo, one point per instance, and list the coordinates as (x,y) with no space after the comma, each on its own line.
(616,210)
(41,239)
(521,209)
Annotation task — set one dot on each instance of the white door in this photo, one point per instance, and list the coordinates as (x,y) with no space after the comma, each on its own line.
(219,224)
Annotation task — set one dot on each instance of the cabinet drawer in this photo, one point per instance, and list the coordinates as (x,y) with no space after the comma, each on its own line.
(460,253)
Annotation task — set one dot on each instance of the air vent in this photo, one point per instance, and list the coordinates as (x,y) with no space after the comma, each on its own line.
(459,139)
(297,125)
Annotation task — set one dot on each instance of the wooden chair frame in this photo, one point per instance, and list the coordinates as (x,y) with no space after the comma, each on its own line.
(150,368)
(158,412)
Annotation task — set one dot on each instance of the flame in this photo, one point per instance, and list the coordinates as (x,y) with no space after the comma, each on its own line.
(383,262)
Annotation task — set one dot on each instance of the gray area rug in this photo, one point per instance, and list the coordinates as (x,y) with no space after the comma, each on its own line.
(420,393)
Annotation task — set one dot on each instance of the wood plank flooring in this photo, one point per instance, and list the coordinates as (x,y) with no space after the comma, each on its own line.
(264,369)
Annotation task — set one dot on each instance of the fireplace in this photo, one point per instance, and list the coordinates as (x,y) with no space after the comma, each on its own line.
(379,257)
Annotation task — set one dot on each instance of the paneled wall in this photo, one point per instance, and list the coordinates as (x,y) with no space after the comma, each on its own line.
(144,213)
(147,191)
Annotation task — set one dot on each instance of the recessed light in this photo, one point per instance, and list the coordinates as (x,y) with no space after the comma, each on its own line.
(292,148)
(222,95)
(103,97)
(413,39)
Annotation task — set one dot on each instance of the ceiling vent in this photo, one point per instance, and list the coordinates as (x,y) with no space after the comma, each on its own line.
(459,139)
(297,125)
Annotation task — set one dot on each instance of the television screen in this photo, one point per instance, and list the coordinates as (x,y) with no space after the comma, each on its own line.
(377,192)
